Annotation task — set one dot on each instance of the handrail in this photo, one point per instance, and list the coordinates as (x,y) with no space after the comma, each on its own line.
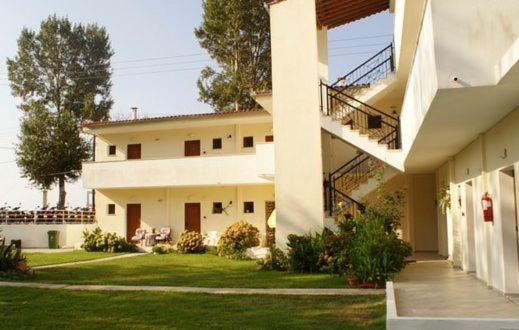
(364,104)
(348,163)
(364,65)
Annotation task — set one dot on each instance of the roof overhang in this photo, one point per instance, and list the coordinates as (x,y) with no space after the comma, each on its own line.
(333,13)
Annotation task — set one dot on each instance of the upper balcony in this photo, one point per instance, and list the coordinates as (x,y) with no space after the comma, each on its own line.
(230,169)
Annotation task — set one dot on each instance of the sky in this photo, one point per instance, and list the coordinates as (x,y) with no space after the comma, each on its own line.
(156,64)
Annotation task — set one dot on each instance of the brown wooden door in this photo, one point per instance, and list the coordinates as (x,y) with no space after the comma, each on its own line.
(133,151)
(270,206)
(192,148)
(269,138)
(133,219)
(192,216)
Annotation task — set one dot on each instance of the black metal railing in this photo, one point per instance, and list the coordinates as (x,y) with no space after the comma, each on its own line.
(360,116)
(376,67)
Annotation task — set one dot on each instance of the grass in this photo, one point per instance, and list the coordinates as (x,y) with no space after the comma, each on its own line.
(205,270)
(54,309)
(39,259)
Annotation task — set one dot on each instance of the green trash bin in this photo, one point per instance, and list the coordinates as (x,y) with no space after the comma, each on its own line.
(53,239)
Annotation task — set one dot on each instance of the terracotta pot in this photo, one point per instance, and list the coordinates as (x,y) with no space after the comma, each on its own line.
(22,266)
(367,285)
(352,281)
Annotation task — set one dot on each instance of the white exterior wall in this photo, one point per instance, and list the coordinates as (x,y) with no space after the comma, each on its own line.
(162,207)
(494,253)
(35,236)
(298,62)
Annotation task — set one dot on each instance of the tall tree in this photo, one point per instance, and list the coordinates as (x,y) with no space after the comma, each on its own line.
(236,34)
(62,75)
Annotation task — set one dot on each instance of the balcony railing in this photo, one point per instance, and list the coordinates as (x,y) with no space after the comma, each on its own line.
(226,169)
(10,217)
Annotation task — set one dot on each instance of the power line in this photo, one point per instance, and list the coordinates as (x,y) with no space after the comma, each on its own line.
(358,53)
(361,38)
(359,46)
(7,162)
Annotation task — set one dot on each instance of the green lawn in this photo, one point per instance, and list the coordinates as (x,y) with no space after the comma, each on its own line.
(206,270)
(55,309)
(38,259)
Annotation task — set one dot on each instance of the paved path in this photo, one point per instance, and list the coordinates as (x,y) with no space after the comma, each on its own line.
(436,289)
(129,255)
(295,292)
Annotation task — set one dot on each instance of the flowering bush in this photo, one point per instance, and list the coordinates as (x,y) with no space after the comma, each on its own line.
(105,242)
(236,239)
(191,242)
(162,249)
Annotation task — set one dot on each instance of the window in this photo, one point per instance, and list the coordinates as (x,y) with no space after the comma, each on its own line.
(111,209)
(217,143)
(269,138)
(217,207)
(248,207)
(111,150)
(248,142)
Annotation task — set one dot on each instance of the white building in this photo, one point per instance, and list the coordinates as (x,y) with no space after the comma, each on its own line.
(439,107)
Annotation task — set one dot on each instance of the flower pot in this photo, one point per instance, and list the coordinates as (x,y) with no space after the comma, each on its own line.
(352,281)
(22,266)
(367,285)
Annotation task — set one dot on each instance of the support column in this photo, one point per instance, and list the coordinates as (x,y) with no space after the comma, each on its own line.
(299,61)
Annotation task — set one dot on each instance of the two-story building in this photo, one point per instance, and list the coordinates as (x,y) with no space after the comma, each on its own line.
(193,172)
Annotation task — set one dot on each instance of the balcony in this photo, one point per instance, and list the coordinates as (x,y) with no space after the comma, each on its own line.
(234,169)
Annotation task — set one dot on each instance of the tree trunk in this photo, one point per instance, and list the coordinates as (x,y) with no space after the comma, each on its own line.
(62,192)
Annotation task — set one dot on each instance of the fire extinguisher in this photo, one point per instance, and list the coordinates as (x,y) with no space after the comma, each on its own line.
(486,204)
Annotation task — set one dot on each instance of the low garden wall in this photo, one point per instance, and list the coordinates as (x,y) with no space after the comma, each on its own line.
(35,236)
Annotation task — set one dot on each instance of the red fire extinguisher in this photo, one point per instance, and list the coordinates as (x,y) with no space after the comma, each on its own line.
(486,204)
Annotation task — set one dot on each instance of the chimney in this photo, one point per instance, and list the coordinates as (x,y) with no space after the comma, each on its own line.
(134,113)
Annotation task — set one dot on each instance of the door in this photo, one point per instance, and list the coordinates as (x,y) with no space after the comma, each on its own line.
(133,219)
(270,232)
(192,148)
(133,151)
(192,217)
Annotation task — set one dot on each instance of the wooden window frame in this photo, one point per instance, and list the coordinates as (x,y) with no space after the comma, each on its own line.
(246,140)
(248,205)
(217,209)
(220,143)
(111,148)
(110,209)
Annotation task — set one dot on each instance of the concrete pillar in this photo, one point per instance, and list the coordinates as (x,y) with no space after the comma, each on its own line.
(298,62)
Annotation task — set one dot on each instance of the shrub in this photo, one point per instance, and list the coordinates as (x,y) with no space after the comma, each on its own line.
(304,252)
(274,260)
(162,249)
(236,239)
(105,242)
(377,254)
(191,242)
(12,262)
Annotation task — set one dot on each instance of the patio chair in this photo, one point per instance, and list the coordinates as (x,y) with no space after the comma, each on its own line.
(164,235)
(211,238)
(139,235)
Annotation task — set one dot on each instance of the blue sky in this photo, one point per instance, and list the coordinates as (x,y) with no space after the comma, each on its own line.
(142,31)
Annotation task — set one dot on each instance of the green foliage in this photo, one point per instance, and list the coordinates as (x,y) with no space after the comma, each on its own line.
(304,252)
(97,241)
(236,34)
(10,257)
(274,260)
(162,249)
(62,76)
(444,199)
(191,242)
(236,239)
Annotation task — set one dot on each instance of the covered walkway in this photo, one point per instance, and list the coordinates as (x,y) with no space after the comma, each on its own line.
(433,288)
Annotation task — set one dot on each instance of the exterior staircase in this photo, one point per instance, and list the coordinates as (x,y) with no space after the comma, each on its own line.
(375,133)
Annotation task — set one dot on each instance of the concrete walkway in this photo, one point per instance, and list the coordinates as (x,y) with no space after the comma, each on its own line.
(435,289)
(129,255)
(182,289)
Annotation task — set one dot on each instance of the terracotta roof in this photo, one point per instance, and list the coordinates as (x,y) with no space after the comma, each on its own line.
(167,118)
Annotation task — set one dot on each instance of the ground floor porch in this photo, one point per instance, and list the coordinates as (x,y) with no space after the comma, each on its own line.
(208,210)
(431,292)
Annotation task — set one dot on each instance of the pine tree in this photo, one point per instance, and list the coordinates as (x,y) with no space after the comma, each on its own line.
(62,75)
(236,34)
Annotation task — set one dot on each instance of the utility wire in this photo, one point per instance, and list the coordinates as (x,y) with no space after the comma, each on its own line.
(361,38)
